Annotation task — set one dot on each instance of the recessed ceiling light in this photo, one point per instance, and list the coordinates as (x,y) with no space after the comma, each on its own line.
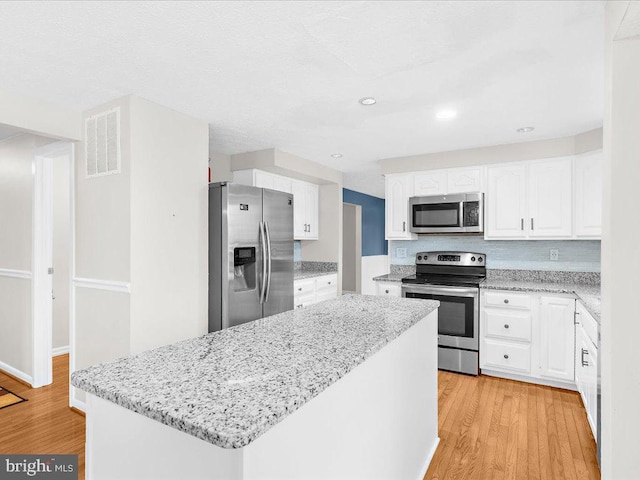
(446,114)
(336,155)
(525,129)
(367,101)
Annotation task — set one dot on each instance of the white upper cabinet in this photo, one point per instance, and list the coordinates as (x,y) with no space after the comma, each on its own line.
(557,338)
(305,210)
(587,173)
(505,201)
(398,190)
(550,198)
(465,180)
(530,200)
(430,183)
(305,198)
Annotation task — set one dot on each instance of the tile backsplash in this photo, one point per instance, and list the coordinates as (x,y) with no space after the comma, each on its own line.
(297,251)
(573,255)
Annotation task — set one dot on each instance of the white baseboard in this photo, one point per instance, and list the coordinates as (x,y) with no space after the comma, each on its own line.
(16,373)
(60,351)
(537,381)
(427,462)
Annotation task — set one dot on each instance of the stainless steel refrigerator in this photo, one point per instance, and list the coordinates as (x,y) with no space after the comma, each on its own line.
(250,254)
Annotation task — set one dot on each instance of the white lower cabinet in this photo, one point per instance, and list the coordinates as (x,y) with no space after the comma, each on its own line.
(393,289)
(529,335)
(586,364)
(308,291)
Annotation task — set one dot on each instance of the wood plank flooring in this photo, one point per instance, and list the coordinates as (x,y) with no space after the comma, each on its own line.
(45,423)
(492,428)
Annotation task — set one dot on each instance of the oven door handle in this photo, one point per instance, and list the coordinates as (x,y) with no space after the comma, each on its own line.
(450,291)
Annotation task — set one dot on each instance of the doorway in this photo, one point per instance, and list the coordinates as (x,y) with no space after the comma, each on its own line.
(351,248)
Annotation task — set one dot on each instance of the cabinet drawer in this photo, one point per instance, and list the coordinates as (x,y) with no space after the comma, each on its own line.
(326,294)
(588,323)
(509,324)
(327,282)
(507,356)
(507,300)
(303,287)
(390,289)
(303,301)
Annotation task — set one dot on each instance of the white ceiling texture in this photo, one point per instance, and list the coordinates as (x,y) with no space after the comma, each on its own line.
(289,74)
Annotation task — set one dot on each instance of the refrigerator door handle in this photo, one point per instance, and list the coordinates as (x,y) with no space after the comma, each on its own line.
(268,282)
(263,247)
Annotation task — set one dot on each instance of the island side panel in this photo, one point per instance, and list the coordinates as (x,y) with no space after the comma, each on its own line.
(378,421)
(123,445)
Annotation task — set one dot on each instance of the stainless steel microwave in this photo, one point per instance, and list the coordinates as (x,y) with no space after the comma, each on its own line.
(458,213)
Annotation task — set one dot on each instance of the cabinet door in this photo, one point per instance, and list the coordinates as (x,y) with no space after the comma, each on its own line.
(430,183)
(264,180)
(389,289)
(299,210)
(506,201)
(311,205)
(282,184)
(550,198)
(592,380)
(557,338)
(588,199)
(581,372)
(464,180)
(398,190)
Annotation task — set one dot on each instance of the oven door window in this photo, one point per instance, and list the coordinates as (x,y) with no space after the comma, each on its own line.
(455,315)
(436,215)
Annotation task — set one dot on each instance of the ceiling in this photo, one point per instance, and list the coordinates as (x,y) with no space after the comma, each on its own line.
(289,74)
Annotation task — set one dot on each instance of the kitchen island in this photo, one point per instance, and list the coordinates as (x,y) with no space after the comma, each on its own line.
(345,388)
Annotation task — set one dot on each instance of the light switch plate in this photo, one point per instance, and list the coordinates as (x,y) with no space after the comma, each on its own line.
(401,253)
(553,254)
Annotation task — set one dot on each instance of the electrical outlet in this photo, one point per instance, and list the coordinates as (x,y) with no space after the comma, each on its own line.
(553,254)
(401,253)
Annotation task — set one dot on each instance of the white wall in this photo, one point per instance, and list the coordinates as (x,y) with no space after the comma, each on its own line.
(16,245)
(620,253)
(61,250)
(141,237)
(169,234)
(220,165)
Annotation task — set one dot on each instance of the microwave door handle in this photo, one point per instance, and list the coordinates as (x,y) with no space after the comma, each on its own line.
(461,215)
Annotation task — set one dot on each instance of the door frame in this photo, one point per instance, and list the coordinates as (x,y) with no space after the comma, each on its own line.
(42,258)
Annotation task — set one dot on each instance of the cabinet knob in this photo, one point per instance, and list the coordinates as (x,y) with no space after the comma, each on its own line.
(506,356)
(506,300)
(404,226)
(386,291)
(328,283)
(506,325)
(299,306)
(299,289)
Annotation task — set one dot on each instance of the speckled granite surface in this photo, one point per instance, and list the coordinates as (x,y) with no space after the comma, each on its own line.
(549,276)
(390,277)
(313,269)
(229,387)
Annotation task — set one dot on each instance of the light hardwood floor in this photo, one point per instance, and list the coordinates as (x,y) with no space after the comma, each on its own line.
(489,428)
(492,428)
(45,424)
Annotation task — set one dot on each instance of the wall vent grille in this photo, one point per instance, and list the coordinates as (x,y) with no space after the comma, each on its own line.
(102,145)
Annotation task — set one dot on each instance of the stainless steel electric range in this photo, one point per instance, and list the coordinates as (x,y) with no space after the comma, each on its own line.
(454,279)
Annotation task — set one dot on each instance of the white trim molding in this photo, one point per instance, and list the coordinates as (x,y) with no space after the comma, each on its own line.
(109,285)
(16,373)
(57,351)
(8,272)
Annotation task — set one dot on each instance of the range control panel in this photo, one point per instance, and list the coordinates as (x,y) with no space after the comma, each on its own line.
(451,258)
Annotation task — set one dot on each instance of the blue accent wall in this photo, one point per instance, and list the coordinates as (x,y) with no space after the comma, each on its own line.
(573,255)
(373,242)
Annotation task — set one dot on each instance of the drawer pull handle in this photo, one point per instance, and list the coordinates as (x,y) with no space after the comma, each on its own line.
(585,363)
(506,325)
(299,306)
(506,356)
(386,291)
(506,300)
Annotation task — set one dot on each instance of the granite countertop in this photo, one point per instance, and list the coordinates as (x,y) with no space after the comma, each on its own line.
(588,294)
(230,387)
(301,274)
(390,277)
